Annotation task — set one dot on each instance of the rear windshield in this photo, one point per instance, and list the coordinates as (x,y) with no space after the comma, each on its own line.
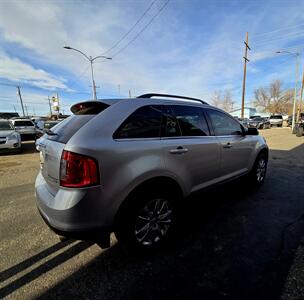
(276,117)
(23,123)
(5,125)
(68,127)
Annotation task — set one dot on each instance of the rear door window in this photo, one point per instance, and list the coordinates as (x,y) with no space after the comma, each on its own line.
(183,120)
(145,122)
(23,123)
(191,120)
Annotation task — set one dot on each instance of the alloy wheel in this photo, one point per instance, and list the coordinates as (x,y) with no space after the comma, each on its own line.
(153,222)
(261,170)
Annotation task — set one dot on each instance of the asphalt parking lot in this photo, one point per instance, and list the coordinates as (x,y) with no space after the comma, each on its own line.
(235,242)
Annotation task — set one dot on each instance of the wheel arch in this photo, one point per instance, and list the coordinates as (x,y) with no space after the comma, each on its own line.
(161,182)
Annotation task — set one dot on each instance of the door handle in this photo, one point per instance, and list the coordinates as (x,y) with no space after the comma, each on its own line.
(227,146)
(179,150)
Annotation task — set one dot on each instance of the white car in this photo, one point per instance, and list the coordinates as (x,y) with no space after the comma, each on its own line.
(10,140)
(276,120)
(25,127)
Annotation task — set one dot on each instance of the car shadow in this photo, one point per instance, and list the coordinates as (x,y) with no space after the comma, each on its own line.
(41,269)
(229,246)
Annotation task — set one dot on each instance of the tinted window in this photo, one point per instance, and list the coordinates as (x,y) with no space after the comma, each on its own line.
(68,127)
(276,117)
(23,123)
(223,124)
(145,122)
(191,120)
(5,125)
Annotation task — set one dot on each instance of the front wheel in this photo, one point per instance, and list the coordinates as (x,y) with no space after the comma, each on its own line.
(258,172)
(147,222)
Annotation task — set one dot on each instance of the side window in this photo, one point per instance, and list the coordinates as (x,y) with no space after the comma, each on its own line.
(171,127)
(145,122)
(191,120)
(223,124)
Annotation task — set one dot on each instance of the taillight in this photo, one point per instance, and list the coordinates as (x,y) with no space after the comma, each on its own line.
(78,170)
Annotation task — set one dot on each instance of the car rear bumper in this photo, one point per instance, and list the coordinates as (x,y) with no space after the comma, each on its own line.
(71,213)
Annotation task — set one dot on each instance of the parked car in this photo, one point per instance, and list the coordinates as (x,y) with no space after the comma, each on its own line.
(25,127)
(9,139)
(276,120)
(124,165)
(259,123)
(42,126)
(244,121)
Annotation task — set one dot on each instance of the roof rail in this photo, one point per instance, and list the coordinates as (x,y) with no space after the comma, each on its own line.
(151,95)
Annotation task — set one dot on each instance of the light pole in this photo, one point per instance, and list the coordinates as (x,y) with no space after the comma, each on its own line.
(91,60)
(297,54)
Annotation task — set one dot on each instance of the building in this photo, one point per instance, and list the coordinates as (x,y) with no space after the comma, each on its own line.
(248,112)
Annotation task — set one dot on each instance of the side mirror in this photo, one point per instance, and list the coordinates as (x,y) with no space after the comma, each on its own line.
(252,131)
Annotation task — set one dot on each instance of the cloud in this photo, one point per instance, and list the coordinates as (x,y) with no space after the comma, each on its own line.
(15,70)
(191,48)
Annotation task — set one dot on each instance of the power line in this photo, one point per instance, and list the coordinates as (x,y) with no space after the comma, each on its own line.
(131,29)
(278,30)
(278,38)
(142,30)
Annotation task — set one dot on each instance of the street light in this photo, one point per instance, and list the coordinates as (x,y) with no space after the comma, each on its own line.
(91,60)
(297,54)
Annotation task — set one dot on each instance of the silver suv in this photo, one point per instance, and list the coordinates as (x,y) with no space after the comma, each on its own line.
(25,127)
(124,165)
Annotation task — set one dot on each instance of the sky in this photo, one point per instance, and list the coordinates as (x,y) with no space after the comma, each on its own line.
(185,47)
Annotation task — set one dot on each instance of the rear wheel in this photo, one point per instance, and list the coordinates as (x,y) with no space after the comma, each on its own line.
(258,172)
(148,221)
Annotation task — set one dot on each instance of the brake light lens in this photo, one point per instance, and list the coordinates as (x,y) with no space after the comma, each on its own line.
(77,170)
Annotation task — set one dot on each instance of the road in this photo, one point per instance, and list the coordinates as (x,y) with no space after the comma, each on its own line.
(235,242)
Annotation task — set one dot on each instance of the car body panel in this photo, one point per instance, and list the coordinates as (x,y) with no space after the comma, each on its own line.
(9,138)
(124,164)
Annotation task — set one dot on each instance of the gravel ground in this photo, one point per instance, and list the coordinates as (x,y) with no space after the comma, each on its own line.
(230,248)
(294,287)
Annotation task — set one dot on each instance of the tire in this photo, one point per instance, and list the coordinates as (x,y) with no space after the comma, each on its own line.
(300,131)
(258,173)
(148,221)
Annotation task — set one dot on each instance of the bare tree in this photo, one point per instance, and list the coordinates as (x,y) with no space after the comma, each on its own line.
(216,98)
(274,98)
(223,100)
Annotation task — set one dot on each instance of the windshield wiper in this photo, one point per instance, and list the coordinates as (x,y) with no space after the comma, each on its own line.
(50,132)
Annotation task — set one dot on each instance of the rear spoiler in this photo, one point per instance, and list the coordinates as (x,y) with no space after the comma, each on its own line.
(88,108)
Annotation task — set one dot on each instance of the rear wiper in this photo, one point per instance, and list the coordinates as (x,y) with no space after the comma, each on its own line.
(50,132)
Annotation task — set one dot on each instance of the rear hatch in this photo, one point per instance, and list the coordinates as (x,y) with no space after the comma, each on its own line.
(52,143)
(24,127)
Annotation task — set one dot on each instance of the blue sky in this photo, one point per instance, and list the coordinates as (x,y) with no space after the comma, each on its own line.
(193,47)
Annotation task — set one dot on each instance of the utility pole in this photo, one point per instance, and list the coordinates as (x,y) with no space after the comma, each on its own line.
(50,106)
(19,93)
(26,110)
(119,89)
(295,94)
(130,94)
(244,77)
(14,108)
(301,99)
